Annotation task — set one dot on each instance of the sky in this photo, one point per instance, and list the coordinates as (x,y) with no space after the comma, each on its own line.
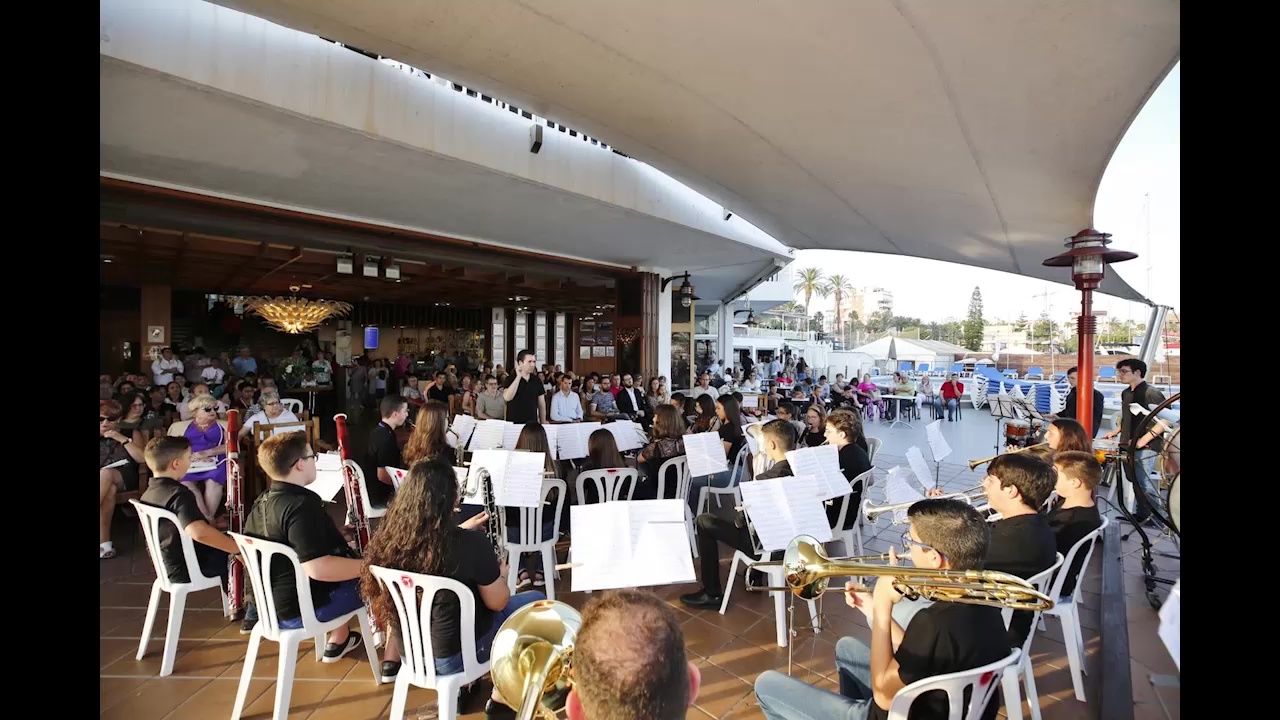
(1145,167)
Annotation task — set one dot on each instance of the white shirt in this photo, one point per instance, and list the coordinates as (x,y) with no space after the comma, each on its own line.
(637,400)
(285,416)
(213,374)
(162,370)
(699,391)
(566,408)
(750,386)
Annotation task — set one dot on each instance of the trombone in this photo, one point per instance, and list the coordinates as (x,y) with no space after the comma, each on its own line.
(808,571)
(973,464)
(872,512)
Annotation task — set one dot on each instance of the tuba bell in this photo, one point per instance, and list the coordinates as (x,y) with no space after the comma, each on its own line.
(532,659)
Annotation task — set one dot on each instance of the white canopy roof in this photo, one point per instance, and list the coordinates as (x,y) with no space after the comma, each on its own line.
(974,132)
(905,349)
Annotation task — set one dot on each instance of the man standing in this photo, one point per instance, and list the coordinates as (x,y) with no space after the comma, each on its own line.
(165,367)
(524,397)
(1133,372)
(1070,410)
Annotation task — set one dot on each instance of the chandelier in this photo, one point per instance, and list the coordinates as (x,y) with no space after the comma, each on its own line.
(293,315)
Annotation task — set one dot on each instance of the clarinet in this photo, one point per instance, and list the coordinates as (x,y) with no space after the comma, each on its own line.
(494,526)
(352,483)
(235,511)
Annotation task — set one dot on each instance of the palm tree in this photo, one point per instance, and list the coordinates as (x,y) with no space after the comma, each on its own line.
(838,285)
(810,282)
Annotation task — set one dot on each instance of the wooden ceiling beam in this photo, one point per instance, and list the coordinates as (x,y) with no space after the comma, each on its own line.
(298,253)
(236,270)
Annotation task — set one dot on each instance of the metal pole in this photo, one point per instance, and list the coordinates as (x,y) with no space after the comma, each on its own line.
(1086,327)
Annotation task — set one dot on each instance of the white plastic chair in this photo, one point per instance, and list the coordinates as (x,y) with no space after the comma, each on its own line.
(258,555)
(776,577)
(370,511)
(981,679)
(1023,668)
(294,405)
(529,536)
(682,484)
(150,517)
(735,477)
(853,534)
(419,666)
(1065,610)
(608,483)
(873,446)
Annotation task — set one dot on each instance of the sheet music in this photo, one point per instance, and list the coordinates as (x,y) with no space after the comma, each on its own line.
(572,439)
(521,484)
(916,460)
(782,508)
(1170,623)
(488,435)
(464,426)
(706,454)
(627,434)
(470,492)
(629,544)
(937,444)
(329,461)
(495,461)
(898,489)
(553,439)
(328,483)
(119,463)
(511,435)
(823,464)
(202,465)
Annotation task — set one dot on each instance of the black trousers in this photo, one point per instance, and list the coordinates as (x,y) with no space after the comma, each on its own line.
(713,530)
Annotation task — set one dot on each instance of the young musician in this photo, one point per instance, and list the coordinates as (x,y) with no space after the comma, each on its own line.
(534,439)
(729,413)
(777,438)
(1077,516)
(630,662)
(1066,435)
(667,443)
(815,419)
(944,637)
(421,534)
(1022,543)
(383,450)
(787,412)
(290,514)
(840,431)
(1073,375)
(430,438)
(1133,372)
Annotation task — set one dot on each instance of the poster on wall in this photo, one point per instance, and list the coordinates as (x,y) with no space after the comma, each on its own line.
(608,352)
(598,351)
(584,353)
(604,333)
(587,333)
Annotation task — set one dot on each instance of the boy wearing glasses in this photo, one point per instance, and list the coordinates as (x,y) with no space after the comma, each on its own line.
(1133,373)
(290,514)
(944,637)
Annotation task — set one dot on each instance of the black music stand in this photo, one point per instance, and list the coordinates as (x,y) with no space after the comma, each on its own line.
(1031,414)
(1003,409)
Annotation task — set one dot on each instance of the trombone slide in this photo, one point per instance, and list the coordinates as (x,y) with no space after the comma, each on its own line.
(973,464)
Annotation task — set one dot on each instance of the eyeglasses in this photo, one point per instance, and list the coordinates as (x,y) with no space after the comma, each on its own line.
(273,403)
(112,418)
(907,542)
(312,456)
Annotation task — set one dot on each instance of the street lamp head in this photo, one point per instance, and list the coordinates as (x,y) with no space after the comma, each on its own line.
(1087,256)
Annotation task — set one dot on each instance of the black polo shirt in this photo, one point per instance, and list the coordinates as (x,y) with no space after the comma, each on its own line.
(1098,404)
(295,516)
(439,393)
(163,492)
(1021,546)
(523,408)
(382,451)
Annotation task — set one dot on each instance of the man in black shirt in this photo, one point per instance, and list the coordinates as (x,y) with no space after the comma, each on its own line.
(1133,372)
(943,638)
(438,389)
(290,514)
(1022,543)
(777,438)
(526,401)
(1077,516)
(1070,410)
(383,451)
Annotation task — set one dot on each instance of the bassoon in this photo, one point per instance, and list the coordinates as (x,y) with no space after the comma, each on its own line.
(235,510)
(354,504)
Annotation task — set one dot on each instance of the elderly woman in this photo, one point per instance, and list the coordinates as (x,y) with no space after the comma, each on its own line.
(118,457)
(273,413)
(208,436)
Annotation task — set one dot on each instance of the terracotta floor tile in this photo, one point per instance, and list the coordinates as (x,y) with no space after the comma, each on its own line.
(114,690)
(149,665)
(121,622)
(215,700)
(308,696)
(746,660)
(720,690)
(356,699)
(696,714)
(110,651)
(702,638)
(154,699)
(122,595)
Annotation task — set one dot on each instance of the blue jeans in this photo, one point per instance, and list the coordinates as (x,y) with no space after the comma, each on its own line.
(1144,466)
(787,698)
(952,404)
(344,599)
(453,664)
(718,480)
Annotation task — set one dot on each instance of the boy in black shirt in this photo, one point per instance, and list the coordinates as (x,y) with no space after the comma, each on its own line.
(290,514)
(1077,516)
(383,451)
(1022,543)
(777,438)
(943,638)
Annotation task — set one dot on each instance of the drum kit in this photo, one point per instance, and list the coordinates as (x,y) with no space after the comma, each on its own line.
(1021,434)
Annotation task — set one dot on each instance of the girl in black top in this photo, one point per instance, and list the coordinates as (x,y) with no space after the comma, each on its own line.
(853,462)
(859,436)
(602,454)
(814,427)
(706,420)
(430,438)
(668,442)
(421,534)
(729,415)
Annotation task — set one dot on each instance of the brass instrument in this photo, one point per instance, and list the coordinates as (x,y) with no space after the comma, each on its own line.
(872,512)
(532,659)
(973,464)
(809,570)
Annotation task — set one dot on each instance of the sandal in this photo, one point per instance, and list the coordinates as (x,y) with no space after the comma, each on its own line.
(106,554)
(539,580)
(522,579)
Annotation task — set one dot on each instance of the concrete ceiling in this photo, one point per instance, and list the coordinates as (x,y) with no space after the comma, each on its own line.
(974,132)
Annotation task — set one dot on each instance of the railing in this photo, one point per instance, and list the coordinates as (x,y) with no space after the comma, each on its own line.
(770,333)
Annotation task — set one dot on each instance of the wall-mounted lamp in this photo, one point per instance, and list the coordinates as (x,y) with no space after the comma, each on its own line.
(686,289)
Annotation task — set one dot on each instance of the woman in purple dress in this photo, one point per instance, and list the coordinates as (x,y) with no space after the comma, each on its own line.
(208,436)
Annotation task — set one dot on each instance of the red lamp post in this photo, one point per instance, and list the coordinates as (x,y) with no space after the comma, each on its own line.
(1088,257)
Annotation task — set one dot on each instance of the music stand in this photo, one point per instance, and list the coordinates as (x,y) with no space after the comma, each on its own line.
(1028,407)
(1003,409)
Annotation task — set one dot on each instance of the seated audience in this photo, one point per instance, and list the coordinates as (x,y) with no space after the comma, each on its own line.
(118,458)
(208,437)
(273,413)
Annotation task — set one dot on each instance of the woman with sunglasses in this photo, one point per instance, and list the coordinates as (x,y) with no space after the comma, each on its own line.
(208,436)
(118,457)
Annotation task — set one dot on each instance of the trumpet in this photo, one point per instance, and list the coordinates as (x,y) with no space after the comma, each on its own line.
(973,464)
(872,512)
(809,570)
(532,659)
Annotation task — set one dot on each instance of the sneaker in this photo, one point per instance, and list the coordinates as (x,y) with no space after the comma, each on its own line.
(390,669)
(334,652)
(246,625)
(702,599)
(494,710)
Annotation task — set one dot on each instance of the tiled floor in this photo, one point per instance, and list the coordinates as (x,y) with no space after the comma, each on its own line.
(731,650)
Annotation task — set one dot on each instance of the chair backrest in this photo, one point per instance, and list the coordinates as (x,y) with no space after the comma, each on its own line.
(258,555)
(984,681)
(1086,545)
(294,405)
(679,466)
(262,431)
(865,480)
(873,445)
(150,517)
(369,509)
(1040,581)
(924,367)
(1035,370)
(415,621)
(531,519)
(1107,372)
(608,483)
(740,465)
